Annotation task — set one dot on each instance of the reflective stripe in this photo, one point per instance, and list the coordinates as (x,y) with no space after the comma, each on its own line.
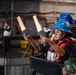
(51,56)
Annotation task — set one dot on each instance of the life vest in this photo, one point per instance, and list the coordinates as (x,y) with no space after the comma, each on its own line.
(61,44)
(73,28)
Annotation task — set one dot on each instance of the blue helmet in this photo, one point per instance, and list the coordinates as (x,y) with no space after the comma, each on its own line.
(63,25)
(66,16)
(73,23)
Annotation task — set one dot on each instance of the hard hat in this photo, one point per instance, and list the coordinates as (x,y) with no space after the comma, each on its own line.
(66,16)
(73,23)
(63,25)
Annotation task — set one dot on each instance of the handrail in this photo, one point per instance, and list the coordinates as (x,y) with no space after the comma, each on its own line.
(14,64)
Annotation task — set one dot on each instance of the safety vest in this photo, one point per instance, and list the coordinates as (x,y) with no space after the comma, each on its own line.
(56,56)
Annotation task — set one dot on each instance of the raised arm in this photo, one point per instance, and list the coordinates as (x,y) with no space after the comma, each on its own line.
(56,48)
(36,45)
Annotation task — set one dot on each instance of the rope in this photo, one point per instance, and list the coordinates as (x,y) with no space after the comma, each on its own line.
(27,50)
(25,53)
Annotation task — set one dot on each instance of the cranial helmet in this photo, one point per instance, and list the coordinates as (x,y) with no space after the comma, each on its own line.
(63,25)
(73,23)
(66,16)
